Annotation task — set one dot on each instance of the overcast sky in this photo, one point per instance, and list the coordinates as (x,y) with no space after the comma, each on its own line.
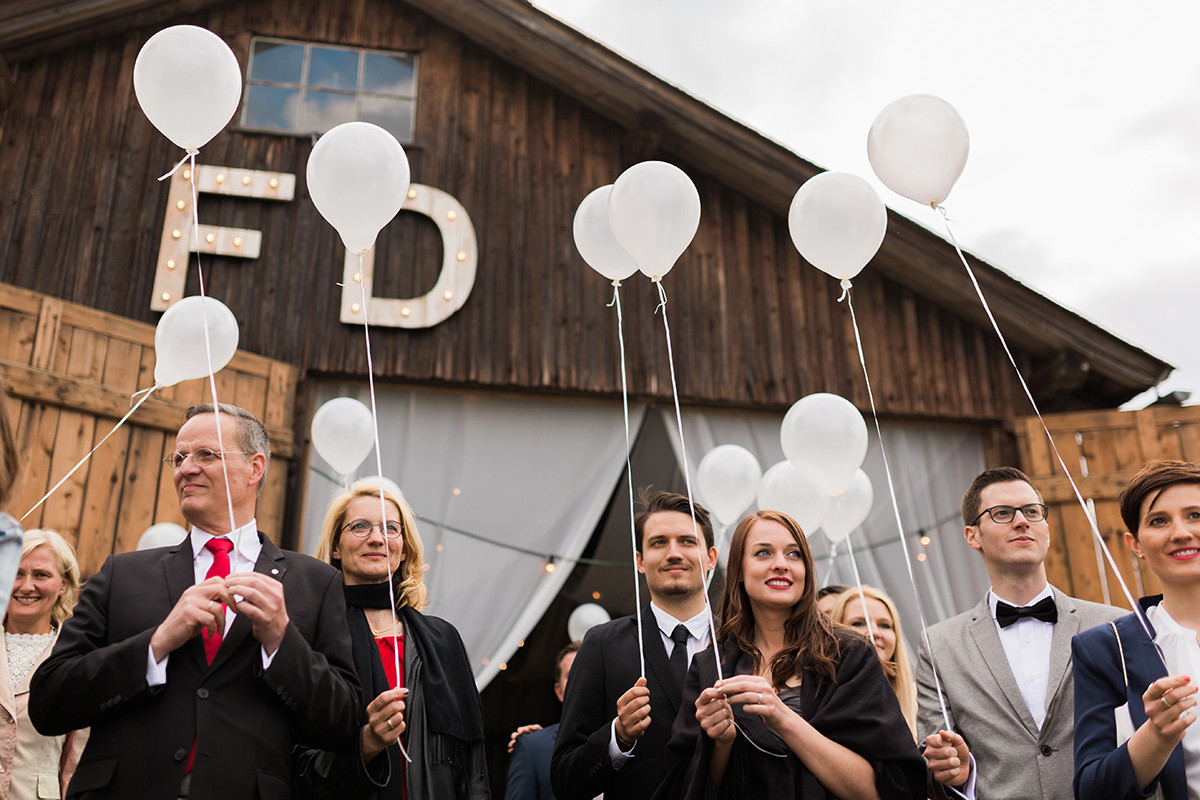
(1083,180)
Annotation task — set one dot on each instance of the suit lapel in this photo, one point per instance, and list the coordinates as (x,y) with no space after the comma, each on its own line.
(1060,647)
(657,665)
(983,632)
(270,563)
(179,570)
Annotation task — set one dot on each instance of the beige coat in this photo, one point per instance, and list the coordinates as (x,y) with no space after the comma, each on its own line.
(32,766)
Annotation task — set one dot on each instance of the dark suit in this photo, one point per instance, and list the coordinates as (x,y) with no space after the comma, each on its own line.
(529,771)
(604,669)
(243,719)
(1102,768)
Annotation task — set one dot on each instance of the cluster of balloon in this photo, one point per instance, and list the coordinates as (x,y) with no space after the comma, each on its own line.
(195,337)
(188,83)
(343,433)
(654,212)
(584,618)
(728,480)
(918,147)
(837,222)
(358,178)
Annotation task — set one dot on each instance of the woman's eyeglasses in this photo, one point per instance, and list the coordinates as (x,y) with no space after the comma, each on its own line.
(362,529)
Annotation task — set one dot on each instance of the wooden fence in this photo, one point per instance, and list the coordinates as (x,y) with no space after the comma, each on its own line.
(70,371)
(1102,450)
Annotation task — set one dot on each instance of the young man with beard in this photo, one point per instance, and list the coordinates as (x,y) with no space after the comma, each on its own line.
(616,723)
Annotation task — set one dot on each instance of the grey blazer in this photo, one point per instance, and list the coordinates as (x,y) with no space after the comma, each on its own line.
(1014,759)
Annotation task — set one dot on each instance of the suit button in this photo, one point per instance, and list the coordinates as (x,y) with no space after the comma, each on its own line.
(202,693)
(1047,749)
(180,754)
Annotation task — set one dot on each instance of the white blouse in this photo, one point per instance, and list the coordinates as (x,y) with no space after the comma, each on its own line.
(1182,654)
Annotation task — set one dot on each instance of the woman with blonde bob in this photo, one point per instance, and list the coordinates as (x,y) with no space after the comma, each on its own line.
(887,638)
(44,595)
(413,668)
(803,709)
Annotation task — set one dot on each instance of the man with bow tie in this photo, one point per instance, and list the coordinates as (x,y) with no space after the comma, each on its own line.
(1004,666)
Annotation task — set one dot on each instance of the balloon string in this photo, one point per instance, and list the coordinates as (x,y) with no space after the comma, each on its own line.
(637,588)
(1054,447)
(687,477)
(912,576)
(362,284)
(145,395)
(191,154)
(862,595)
(832,565)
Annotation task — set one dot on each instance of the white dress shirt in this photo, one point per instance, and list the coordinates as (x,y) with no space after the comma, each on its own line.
(1027,645)
(243,557)
(1182,654)
(698,639)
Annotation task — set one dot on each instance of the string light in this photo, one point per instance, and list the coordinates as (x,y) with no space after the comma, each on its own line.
(550,567)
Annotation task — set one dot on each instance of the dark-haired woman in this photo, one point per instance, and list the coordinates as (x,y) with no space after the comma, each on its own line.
(1135,680)
(804,709)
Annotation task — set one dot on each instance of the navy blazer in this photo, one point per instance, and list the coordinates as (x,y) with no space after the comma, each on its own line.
(1102,769)
(529,770)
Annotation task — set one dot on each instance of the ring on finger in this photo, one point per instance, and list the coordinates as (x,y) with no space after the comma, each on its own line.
(210,604)
(1165,702)
(760,700)
(389,722)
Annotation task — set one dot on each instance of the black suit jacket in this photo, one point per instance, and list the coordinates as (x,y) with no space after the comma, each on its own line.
(529,770)
(243,719)
(604,669)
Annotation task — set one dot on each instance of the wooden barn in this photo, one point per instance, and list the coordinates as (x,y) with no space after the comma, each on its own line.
(495,350)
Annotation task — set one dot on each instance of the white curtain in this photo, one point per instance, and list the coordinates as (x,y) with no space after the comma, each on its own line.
(931,466)
(530,473)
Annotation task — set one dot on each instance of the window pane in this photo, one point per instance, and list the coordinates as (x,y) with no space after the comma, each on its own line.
(324,110)
(330,68)
(384,74)
(277,63)
(272,108)
(394,116)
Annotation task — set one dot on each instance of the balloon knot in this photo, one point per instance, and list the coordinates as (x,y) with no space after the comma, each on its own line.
(655,278)
(845,289)
(616,282)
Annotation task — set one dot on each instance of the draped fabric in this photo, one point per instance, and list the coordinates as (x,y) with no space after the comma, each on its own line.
(529,472)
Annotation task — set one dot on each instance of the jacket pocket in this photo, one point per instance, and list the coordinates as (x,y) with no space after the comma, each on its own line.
(92,775)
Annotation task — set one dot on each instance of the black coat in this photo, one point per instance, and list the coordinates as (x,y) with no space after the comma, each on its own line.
(859,711)
(606,667)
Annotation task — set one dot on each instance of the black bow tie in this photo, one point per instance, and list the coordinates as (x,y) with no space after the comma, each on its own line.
(1044,609)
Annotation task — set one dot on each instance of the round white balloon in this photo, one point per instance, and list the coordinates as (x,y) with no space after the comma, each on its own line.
(918,147)
(181,350)
(594,238)
(358,178)
(654,211)
(584,618)
(161,534)
(837,222)
(188,83)
(387,483)
(782,488)
(850,510)
(343,433)
(728,481)
(825,438)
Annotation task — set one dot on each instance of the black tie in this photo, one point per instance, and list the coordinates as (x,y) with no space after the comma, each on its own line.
(679,662)
(1044,609)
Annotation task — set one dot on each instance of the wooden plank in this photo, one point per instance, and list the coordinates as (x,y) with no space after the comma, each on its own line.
(49,317)
(72,441)
(140,486)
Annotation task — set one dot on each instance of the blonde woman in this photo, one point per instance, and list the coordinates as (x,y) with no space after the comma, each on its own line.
(888,640)
(44,594)
(430,703)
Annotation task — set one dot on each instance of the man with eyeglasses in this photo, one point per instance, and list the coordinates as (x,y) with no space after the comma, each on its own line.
(198,666)
(1004,666)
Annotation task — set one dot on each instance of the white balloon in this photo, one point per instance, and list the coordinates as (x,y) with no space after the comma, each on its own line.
(825,438)
(387,483)
(188,83)
(782,488)
(837,223)
(850,510)
(594,238)
(918,147)
(654,211)
(180,351)
(343,433)
(584,618)
(161,534)
(358,179)
(728,481)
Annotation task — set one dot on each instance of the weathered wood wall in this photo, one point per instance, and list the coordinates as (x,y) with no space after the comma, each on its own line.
(70,371)
(1102,449)
(81,214)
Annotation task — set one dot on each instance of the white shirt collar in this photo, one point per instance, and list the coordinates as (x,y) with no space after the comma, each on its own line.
(697,626)
(1165,626)
(245,539)
(994,598)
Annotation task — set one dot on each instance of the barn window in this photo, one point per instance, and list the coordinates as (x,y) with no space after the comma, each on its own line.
(302,88)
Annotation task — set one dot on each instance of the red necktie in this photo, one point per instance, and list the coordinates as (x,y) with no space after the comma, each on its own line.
(220,568)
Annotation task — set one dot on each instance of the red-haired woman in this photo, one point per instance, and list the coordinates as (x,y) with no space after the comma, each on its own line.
(804,710)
